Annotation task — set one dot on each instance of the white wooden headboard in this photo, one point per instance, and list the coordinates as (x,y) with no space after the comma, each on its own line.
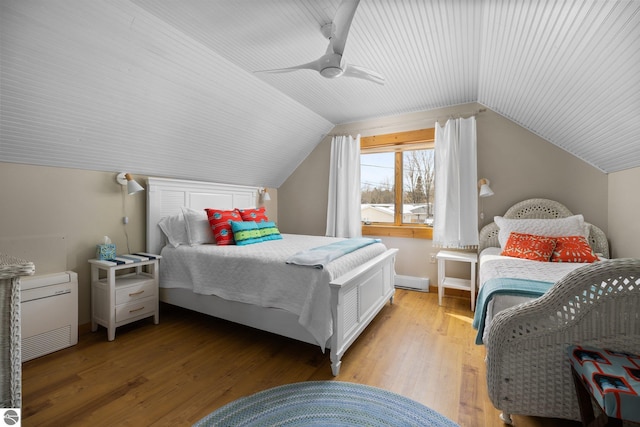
(166,197)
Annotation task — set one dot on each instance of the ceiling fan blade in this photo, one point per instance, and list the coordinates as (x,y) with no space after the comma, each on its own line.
(342,24)
(363,73)
(313,65)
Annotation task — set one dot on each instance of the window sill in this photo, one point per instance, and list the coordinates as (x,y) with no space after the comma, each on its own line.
(409,231)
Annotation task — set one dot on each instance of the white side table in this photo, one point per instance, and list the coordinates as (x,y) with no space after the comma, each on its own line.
(120,299)
(445,281)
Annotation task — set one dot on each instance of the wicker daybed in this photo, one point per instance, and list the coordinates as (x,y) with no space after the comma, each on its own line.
(532,216)
(527,368)
(528,372)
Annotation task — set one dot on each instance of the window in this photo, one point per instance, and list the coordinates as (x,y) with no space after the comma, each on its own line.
(377,181)
(397,183)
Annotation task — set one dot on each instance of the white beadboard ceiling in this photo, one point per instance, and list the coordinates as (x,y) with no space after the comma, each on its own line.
(167,87)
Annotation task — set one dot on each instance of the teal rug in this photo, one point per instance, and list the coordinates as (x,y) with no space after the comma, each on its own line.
(325,403)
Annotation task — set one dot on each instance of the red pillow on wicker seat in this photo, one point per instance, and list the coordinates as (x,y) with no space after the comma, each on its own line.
(573,249)
(529,246)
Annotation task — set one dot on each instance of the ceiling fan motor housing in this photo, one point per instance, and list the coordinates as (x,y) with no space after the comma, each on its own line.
(331,66)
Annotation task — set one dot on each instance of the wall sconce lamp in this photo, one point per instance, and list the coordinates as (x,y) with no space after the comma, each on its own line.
(485,190)
(264,195)
(125,178)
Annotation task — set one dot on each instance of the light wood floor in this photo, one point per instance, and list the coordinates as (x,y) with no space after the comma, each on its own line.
(177,372)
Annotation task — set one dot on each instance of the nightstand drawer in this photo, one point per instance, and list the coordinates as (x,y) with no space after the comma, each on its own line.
(134,309)
(143,289)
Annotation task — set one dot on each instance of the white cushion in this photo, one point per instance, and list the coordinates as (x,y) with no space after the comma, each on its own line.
(198,228)
(560,227)
(175,230)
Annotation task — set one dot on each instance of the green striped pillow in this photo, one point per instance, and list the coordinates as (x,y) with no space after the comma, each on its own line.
(246,232)
(269,231)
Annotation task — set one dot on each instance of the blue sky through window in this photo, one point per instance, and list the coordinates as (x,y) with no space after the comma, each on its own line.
(376,170)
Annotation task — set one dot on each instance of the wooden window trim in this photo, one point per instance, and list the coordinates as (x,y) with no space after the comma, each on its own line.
(399,140)
(404,230)
(397,214)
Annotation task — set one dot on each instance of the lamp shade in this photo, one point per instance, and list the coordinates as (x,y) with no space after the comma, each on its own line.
(485,190)
(125,178)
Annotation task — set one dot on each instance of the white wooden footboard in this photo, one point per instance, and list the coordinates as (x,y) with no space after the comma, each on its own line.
(356,298)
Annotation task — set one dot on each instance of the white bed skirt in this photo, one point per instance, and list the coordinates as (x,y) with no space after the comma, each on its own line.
(272,320)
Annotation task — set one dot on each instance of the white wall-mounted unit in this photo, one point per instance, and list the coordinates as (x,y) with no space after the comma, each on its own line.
(49,313)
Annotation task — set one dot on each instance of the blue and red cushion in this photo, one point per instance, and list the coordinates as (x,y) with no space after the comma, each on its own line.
(220,222)
(611,377)
(256,215)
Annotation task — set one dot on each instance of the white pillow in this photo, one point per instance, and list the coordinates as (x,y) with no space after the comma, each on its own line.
(560,227)
(174,228)
(198,228)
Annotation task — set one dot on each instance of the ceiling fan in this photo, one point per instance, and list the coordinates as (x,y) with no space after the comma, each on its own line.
(331,65)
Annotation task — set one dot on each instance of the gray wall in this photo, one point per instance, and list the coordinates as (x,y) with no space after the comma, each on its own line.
(624,205)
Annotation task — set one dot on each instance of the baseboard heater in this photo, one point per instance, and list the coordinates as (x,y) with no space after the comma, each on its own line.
(411,282)
(49,313)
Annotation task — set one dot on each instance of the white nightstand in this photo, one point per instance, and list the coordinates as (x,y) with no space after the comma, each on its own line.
(118,299)
(453,282)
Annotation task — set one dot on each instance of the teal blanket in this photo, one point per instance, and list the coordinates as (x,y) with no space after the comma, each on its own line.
(504,286)
(322,255)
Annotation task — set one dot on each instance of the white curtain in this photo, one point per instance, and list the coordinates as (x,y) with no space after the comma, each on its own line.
(343,207)
(456,196)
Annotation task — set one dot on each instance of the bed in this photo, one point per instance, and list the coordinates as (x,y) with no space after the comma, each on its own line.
(510,280)
(328,306)
(527,336)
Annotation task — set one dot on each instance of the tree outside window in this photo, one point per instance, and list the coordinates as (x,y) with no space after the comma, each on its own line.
(419,174)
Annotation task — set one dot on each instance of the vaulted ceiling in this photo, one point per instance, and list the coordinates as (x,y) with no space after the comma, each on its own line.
(567,70)
(168,87)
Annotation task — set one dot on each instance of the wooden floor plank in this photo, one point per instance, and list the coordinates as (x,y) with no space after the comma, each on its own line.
(177,372)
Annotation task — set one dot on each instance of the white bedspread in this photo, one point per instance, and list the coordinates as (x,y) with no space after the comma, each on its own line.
(258,274)
(493,265)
